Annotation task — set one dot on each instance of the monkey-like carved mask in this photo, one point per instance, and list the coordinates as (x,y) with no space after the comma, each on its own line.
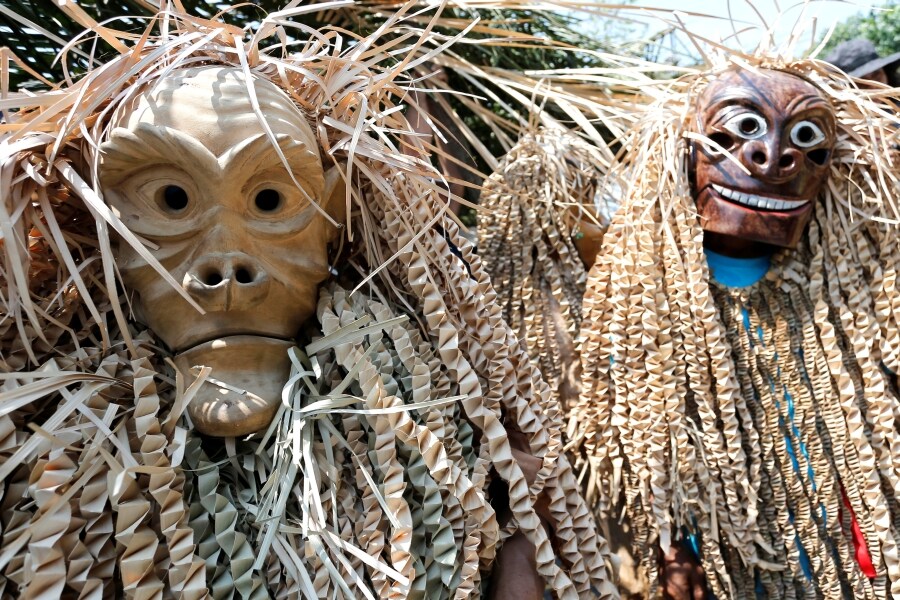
(191,170)
(781,129)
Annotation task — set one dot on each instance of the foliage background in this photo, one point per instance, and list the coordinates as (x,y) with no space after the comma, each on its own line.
(879,25)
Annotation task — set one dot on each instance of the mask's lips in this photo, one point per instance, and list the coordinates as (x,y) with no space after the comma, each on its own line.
(244,387)
(757,202)
(233,336)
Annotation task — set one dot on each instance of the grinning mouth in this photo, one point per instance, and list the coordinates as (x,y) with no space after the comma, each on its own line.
(756,201)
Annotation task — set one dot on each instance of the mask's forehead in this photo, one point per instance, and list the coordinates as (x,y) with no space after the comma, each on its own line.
(767,89)
(213,105)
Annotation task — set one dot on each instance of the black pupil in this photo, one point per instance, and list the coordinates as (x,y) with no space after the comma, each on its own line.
(268,200)
(805,134)
(175,197)
(749,126)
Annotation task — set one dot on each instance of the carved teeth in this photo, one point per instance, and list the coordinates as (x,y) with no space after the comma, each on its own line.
(754,201)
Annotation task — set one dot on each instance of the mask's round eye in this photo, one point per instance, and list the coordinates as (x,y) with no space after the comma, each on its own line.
(267,200)
(806,134)
(747,125)
(173,198)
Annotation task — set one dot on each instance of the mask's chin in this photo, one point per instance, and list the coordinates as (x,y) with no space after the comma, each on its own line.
(779,224)
(244,387)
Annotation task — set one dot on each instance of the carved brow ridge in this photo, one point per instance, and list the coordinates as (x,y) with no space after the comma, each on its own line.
(807,101)
(742,97)
(149,143)
(739,97)
(804,101)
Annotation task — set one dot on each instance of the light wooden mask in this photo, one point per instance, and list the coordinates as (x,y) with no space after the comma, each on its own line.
(192,170)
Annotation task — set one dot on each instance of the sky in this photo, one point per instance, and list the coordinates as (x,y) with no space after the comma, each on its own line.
(826,14)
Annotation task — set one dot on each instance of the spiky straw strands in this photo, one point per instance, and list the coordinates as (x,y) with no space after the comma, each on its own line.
(371,481)
(746,432)
(546,189)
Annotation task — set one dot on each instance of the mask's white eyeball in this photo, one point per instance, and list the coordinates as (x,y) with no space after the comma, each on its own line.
(749,126)
(806,134)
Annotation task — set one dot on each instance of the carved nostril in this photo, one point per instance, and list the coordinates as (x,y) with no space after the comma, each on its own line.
(227,281)
(243,276)
(786,161)
(759,158)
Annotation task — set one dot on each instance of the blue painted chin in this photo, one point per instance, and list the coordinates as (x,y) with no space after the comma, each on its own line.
(737,272)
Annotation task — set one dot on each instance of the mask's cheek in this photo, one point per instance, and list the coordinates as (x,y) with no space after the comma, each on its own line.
(299,261)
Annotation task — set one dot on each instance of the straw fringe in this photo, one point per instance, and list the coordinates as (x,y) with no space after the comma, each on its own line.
(531,209)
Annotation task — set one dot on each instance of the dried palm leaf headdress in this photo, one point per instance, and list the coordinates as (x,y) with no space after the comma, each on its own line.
(371,480)
(740,419)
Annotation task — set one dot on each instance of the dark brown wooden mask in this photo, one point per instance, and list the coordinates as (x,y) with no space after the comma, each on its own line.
(782,130)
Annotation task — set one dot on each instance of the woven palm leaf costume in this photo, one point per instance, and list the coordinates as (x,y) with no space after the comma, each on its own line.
(755,423)
(106,490)
(546,188)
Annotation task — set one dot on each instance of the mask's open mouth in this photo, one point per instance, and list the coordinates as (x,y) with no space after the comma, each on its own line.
(757,202)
